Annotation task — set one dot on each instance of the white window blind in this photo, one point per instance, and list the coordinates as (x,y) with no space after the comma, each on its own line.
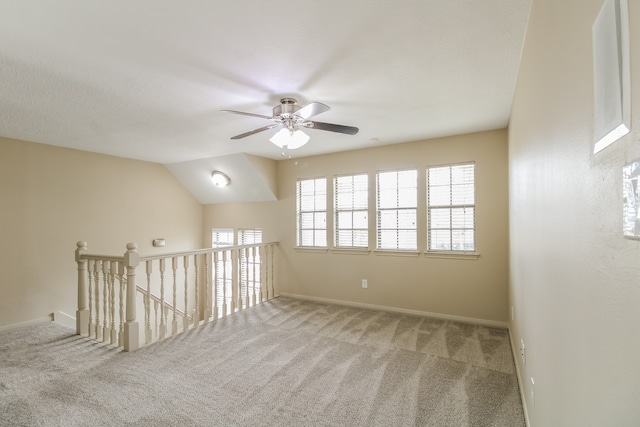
(221,237)
(351,195)
(250,268)
(451,208)
(311,203)
(397,202)
(248,236)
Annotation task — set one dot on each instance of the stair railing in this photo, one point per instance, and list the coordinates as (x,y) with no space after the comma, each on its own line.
(180,290)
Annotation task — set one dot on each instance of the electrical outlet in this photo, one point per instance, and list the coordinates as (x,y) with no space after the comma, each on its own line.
(523,353)
(365,284)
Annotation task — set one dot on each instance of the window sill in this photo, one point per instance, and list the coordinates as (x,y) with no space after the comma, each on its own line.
(453,255)
(351,251)
(396,253)
(311,249)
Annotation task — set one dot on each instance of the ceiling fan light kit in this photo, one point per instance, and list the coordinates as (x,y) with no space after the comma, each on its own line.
(291,117)
(284,138)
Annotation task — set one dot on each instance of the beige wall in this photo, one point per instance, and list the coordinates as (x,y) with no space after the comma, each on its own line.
(468,288)
(52,197)
(574,279)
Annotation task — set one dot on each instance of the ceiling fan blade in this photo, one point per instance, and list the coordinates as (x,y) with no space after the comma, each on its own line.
(312,109)
(262,129)
(349,130)
(248,114)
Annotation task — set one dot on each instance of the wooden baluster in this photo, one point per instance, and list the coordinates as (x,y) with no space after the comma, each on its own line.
(215,285)
(163,321)
(165,312)
(185,320)
(249,276)
(147,305)
(235,282)
(263,273)
(259,275)
(82,314)
(106,333)
(268,271)
(244,282)
(97,293)
(91,267)
(224,283)
(196,320)
(174,322)
(253,281)
(239,270)
(112,303)
(156,325)
(272,270)
(237,266)
(230,291)
(205,292)
(239,275)
(212,302)
(121,280)
(131,328)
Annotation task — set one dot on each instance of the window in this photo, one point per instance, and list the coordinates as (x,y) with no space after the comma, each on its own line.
(220,238)
(248,236)
(397,204)
(250,271)
(311,209)
(227,268)
(451,208)
(351,211)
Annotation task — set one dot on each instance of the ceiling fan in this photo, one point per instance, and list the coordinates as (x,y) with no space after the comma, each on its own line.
(292,117)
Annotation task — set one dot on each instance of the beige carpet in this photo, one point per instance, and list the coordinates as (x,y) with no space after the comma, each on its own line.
(282,363)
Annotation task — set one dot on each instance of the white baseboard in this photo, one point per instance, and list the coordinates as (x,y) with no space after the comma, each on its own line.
(27,323)
(474,321)
(64,319)
(516,353)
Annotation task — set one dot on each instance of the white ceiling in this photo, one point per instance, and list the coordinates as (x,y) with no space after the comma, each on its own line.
(146,79)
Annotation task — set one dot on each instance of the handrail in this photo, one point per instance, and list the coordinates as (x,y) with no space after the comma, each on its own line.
(102,257)
(159,300)
(204,251)
(174,254)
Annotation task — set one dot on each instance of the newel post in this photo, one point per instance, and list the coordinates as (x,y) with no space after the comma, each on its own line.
(82,314)
(131,329)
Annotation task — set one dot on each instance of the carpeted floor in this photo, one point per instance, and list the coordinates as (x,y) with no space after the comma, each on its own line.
(282,363)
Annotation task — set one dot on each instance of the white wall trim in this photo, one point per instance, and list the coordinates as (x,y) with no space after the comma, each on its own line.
(471,320)
(27,323)
(515,354)
(64,319)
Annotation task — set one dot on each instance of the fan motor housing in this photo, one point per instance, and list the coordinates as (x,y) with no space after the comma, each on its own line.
(287,107)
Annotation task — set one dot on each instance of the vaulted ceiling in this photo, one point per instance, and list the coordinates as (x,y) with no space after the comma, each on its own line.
(148,79)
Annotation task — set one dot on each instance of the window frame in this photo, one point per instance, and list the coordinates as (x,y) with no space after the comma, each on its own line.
(379,211)
(300,214)
(353,209)
(451,206)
